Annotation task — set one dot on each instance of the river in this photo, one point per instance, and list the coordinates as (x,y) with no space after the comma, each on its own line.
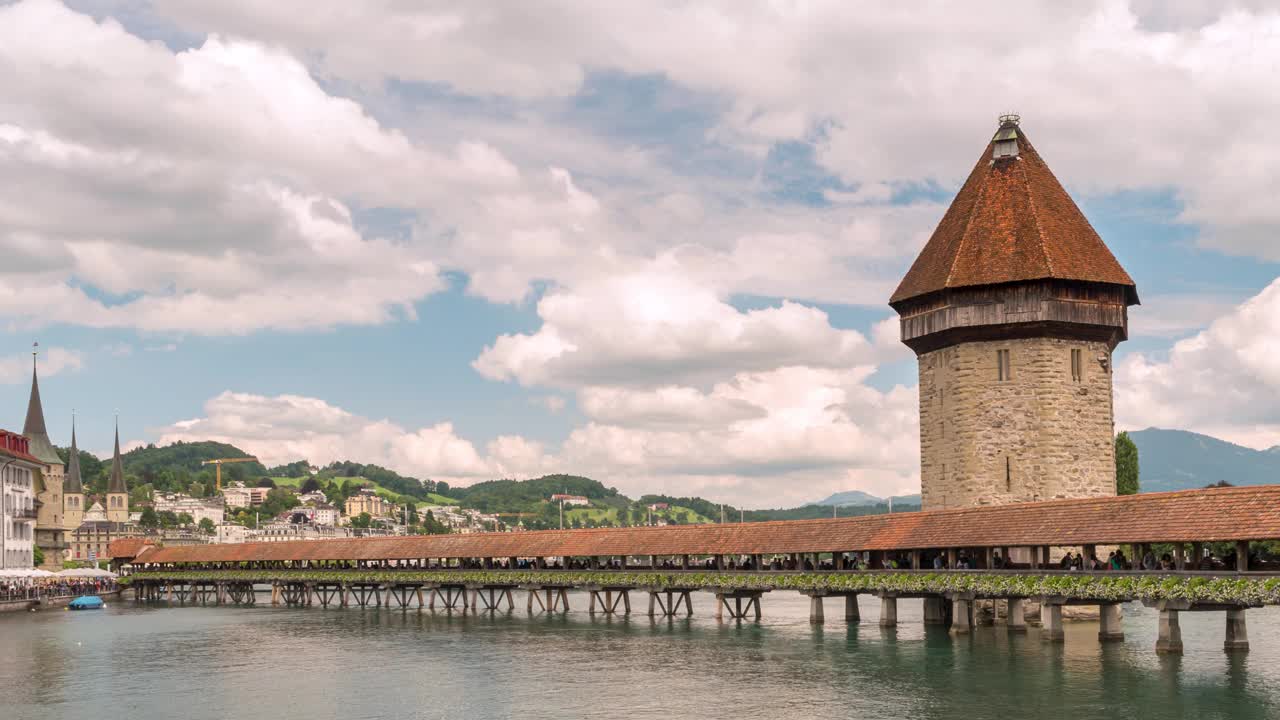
(200,663)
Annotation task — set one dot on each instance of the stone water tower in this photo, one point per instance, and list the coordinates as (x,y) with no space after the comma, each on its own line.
(1013,309)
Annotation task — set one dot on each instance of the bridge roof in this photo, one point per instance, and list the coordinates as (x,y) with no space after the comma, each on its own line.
(1209,515)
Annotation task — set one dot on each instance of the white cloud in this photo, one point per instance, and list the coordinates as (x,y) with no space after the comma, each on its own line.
(16,369)
(1159,95)
(285,428)
(777,437)
(661,326)
(1224,380)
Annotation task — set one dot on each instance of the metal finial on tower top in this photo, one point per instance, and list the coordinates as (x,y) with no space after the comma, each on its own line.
(1010,120)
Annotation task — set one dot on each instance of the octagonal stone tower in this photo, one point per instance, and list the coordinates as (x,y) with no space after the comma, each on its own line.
(1013,309)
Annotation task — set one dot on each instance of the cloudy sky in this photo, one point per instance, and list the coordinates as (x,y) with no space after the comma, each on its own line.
(646,242)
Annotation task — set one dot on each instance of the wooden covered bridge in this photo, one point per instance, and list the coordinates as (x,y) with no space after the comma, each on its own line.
(952,559)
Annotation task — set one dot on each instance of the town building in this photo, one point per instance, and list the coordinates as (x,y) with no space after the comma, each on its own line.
(198,508)
(1013,309)
(286,531)
(238,496)
(18,471)
(231,533)
(367,500)
(315,497)
(570,499)
(51,526)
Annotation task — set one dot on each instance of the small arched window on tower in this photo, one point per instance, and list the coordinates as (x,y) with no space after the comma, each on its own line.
(1077,365)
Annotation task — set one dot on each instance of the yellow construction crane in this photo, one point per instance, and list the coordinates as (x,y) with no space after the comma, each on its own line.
(219,462)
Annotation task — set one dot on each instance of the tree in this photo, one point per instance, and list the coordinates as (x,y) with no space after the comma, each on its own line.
(196,489)
(37,556)
(168,518)
(266,482)
(363,520)
(442,488)
(206,526)
(149,519)
(310,485)
(1126,465)
(185,519)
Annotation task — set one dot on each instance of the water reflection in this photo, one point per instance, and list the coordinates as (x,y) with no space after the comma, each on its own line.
(268,662)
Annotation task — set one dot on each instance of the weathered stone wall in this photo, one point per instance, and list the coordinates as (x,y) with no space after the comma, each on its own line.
(1040,435)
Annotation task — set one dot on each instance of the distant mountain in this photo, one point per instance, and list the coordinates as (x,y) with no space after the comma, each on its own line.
(1181,460)
(857,498)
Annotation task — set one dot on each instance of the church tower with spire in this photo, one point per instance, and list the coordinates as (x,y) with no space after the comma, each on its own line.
(73,487)
(1013,309)
(50,522)
(117,491)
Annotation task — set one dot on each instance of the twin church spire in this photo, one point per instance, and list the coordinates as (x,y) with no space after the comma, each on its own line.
(42,447)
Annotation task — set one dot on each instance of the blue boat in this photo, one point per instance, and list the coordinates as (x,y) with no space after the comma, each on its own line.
(87,602)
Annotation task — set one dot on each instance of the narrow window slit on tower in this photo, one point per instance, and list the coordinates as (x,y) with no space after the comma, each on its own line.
(1008,475)
(1077,365)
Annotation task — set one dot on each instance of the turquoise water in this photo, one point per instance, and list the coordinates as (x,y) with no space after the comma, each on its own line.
(158,662)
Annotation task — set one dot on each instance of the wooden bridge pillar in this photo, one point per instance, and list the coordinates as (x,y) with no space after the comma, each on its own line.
(1237,637)
(1109,624)
(669,608)
(738,610)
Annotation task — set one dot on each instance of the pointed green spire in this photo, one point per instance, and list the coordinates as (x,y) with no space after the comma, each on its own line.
(71,483)
(34,427)
(115,483)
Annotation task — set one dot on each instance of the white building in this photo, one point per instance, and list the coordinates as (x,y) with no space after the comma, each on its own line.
(570,499)
(315,497)
(18,519)
(239,496)
(197,508)
(231,533)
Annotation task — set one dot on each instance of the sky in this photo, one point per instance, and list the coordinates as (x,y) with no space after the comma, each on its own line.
(650,243)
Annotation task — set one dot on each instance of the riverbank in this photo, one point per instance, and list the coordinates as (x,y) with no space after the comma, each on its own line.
(49,603)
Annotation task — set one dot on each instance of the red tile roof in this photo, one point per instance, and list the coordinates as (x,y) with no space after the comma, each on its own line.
(1012,221)
(10,442)
(126,548)
(1219,514)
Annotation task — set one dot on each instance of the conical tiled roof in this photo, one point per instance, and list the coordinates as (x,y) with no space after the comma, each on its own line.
(34,427)
(1012,221)
(71,481)
(115,482)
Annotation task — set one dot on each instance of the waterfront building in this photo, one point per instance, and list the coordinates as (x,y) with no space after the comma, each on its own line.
(1013,309)
(285,531)
(73,497)
(18,472)
(51,531)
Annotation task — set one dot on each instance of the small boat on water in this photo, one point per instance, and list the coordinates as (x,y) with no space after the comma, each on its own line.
(87,602)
